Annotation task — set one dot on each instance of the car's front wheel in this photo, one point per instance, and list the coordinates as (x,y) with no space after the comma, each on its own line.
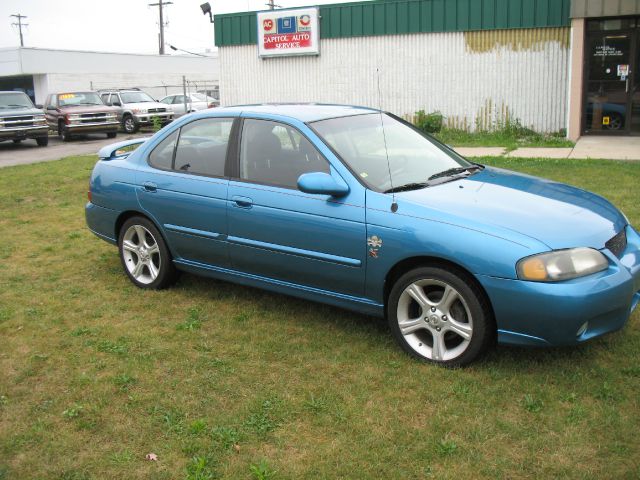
(129,124)
(144,254)
(111,134)
(42,141)
(438,315)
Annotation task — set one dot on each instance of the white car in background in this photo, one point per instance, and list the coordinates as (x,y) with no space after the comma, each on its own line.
(195,102)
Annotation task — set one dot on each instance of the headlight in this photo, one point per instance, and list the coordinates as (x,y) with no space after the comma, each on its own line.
(139,110)
(561,265)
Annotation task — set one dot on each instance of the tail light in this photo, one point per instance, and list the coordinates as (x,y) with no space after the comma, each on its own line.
(211,105)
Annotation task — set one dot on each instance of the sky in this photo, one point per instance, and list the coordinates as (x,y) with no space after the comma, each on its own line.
(128,26)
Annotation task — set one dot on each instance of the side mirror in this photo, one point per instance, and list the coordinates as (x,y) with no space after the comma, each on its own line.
(50,107)
(39,105)
(323,184)
(116,104)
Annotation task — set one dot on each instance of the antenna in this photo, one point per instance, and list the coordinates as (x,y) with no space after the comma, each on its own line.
(394,205)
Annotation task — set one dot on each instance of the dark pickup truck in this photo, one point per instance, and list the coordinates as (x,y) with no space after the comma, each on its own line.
(80,112)
(20,119)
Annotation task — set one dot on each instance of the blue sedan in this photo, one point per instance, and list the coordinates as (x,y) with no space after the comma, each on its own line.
(356,208)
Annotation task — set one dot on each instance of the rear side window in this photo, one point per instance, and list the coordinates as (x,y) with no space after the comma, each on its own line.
(162,155)
(202,147)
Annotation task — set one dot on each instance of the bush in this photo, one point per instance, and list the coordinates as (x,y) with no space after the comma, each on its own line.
(429,122)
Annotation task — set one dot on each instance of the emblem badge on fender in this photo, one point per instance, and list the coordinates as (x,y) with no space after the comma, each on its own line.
(374,242)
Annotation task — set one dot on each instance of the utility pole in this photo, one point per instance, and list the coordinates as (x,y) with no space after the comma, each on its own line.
(20,25)
(271,4)
(161,4)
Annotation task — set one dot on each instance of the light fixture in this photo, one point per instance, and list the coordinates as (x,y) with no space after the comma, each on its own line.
(206,8)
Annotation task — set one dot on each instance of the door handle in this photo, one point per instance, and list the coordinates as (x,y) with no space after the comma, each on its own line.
(242,202)
(149,186)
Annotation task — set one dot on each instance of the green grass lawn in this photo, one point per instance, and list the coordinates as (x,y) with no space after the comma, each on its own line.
(222,381)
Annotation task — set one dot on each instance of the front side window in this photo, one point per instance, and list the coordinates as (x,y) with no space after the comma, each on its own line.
(105,98)
(167,100)
(202,147)
(276,154)
(373,151)
(178,99)
(115,99)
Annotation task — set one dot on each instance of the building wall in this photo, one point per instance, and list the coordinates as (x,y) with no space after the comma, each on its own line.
(474,78)
(58,70)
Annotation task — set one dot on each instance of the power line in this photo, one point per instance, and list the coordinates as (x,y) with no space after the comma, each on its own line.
(161,4)
(20,25)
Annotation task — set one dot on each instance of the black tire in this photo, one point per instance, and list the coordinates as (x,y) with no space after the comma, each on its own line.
(111,134)
(17,141)
(42,141)
(129,237)
(63,133)
(129,124)
(468,313)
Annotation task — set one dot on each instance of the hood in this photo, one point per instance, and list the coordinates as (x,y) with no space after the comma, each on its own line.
(555,214)
(6,112)
(88,109)
(147,105)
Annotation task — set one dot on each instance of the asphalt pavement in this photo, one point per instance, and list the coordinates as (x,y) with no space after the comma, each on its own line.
(28,151)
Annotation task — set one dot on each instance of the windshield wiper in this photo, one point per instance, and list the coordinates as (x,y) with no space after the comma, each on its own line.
(21,106)
(407,186)
(454,171)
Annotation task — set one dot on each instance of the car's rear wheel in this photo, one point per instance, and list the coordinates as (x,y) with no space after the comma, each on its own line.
(616,121)
(438,315)
(129,124)
(144,254)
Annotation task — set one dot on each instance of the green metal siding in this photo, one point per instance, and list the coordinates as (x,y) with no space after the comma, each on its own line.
(391,17)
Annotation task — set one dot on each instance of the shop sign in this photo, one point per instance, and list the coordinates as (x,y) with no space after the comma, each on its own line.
(288,32)
(607,51)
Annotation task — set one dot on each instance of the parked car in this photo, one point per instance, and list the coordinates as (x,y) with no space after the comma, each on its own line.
(136,108)
(195,102)
(72,113)
(357,208)
(20,119)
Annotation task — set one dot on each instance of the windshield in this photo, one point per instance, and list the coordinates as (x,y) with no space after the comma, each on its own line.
(79,99)
(136,97)
(15,100)
(413,157)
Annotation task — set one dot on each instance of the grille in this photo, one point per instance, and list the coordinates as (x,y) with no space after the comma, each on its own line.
(22,121)
(93,117)
(618,243)
(157,110)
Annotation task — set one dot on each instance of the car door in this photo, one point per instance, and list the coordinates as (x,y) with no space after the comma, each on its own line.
(278,232)
(183,187)
(115,101)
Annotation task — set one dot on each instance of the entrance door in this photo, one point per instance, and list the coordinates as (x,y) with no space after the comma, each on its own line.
(612,103)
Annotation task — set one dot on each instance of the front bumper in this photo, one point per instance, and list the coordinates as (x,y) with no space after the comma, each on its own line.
(24,132)
(93,127)
(147,118)
(552,314)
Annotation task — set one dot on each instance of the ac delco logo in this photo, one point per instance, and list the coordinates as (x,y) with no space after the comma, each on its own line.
(267,24)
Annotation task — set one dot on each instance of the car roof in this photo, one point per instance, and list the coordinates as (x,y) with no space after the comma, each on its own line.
(305,112)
